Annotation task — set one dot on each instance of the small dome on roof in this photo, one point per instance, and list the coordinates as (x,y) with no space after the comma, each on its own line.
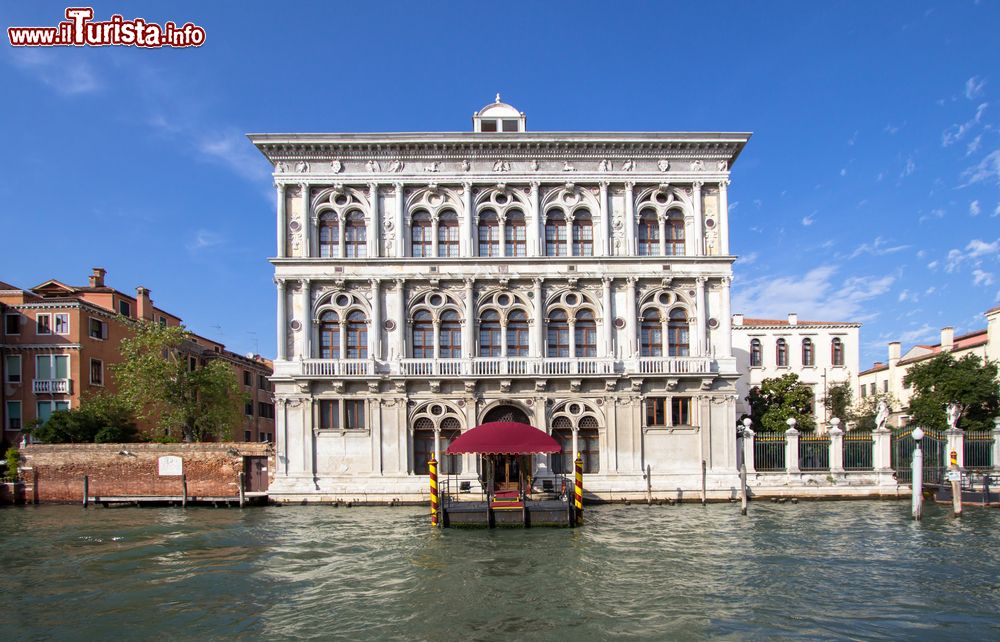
(498,116)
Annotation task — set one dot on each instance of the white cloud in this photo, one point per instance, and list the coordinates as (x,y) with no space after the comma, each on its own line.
(916,335)
(973,145)
(933,265)
(892,129)
(808,220)
(65,74)
(974,87)
(906,296)
(853,139)
(881,175)
(986,169)
(975,251)
(958,131)
(929,291)
(815,295)
(233,150)
(878,247)
(843,171)
(980,277)
(935,213)
(748,259)
(974,209)
(908,168)
(996,212)
(204,239)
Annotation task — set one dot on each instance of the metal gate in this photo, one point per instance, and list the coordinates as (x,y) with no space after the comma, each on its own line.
(934,444)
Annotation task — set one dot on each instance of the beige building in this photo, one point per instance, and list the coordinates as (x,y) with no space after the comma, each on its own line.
(431,282)
(887,377)
(821,353)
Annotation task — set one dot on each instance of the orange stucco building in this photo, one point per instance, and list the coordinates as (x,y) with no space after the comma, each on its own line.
(58,342)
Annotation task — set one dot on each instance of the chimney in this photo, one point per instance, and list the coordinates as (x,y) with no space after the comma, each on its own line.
(947,339)
(894,349)
(97,277)
(793,319)
(737,319)
(144,305)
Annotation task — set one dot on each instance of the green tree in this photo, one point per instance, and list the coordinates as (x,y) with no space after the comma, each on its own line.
(102,419)
(838,402)
(968,381)
(157,383)
(863,413)
(775,400)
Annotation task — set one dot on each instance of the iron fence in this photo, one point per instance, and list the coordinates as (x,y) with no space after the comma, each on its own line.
(978,450)
(858,451)
(814,452)
(933,445)
(769,451)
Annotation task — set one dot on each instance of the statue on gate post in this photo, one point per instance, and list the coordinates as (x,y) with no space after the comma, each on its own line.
(882,415)
(954,412)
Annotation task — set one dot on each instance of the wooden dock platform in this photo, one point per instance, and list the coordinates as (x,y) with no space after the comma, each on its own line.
(482,514)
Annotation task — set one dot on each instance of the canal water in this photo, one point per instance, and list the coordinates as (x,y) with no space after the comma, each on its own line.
(812,570)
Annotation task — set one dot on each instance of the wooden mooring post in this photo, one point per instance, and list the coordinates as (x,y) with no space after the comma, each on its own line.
(243,495)
(955,477)
(649,485)
(184,491)
(917,490)
(704,482)
(86,490)
(743,489)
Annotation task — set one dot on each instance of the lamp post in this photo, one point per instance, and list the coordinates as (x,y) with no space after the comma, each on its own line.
(917,498)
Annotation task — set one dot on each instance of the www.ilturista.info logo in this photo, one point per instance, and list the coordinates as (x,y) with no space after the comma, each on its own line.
(79,30)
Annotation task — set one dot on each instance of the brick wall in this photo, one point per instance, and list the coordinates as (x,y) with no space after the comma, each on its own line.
(211,469)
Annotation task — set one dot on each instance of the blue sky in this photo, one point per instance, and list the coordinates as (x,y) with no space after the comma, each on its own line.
(870,190)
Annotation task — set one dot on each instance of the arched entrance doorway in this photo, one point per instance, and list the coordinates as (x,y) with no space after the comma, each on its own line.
(506,413)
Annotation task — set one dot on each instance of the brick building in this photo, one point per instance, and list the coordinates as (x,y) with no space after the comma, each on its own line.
(58,342)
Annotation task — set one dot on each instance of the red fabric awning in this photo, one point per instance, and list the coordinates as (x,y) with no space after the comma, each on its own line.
(504,438)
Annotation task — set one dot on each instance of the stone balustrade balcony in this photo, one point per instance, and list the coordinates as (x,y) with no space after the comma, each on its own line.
(50,386)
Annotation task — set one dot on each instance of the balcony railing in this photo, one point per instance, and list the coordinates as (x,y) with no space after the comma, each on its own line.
(675,365)
(337,367)
(50,386)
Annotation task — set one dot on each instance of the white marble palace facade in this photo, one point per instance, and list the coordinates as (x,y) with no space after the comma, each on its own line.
(430,282)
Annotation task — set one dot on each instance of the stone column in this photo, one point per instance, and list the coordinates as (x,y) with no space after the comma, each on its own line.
(375,329)
(608,317)
(311,426)
(662,220)
(996,444)
(572,339)
(569,233)
(282,220)
(629,220)
(536,242)
(792,450)
(697,248)
(630,349)
(748,451)
(836,457)
(882,450)
(305,292)
(282,320)
(400,221)
(374,222)
(605,222)
(437,445)
(538,332)
(469,323)
(726,320)
(502,233)
(398,342)
(700,325)
(956,443)
(307,224)
(576,449)
(724,217)
(467,247)
(435,220)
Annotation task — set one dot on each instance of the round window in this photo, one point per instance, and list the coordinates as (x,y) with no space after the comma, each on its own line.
(343,300)
(661,197)
(619,323)
(437,410)
(571,299)
(574,409)
(435,199)
(341,199)
(435,299)
(503,300)
(710,223)
(501,199)
(664,298)
(295,325)
(713,323)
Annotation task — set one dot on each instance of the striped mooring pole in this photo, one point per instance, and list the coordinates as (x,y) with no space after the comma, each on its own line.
(578,490)
(432,467)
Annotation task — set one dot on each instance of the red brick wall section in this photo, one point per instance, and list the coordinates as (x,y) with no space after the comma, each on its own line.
(211,469)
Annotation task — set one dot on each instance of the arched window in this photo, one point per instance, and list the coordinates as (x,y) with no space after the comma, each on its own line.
(756,354)
(588,444)
(329,236)
(649,233)
(448,234)
(421,241)
(451,335)
(423,335)
(781,353)
(583,234)
(586,334)
(515,235)
(423,445)
(651,334)
(555,234)
(517,334)
(489,334)
(357,336)
(329,336)
(450,431)
(356,236)
(837,352)
(489,234)
(675,233)
(808,356)
(562,432)
(677,334)
(558,334)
